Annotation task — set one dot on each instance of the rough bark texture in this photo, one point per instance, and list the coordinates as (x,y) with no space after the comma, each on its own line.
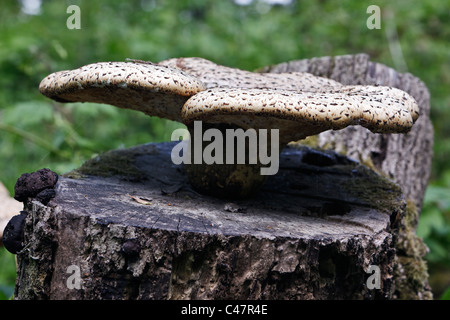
(404,158)
(130,223)
(311,233)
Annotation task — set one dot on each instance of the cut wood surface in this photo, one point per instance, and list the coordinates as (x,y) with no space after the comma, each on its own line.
(311,232)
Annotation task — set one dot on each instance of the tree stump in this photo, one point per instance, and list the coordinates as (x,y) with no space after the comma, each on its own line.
(404,158)
(127,224)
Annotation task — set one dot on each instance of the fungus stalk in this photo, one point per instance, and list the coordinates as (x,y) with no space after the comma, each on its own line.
(230,162)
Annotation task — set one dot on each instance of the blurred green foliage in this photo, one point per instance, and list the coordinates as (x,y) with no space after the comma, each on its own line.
(7,274)
(36,132)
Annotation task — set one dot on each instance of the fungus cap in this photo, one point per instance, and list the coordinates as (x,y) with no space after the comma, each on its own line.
(213,75)
(155,90)
(301,114)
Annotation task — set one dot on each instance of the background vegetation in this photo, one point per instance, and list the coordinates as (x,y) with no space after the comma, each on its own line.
(36,132)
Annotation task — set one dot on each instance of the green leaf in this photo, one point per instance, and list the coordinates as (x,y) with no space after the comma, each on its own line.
(28,113)
(438,250)
(439,196)
(92,110)
(446,294)
(430,219)
(6,292)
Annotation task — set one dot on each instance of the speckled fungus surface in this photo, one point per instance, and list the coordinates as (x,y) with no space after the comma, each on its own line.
(213,75)
(195,89)
(301,114)
(155,90)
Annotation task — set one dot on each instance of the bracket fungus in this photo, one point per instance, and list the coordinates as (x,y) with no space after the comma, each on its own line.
(155,90)
(295,104)
(213,75)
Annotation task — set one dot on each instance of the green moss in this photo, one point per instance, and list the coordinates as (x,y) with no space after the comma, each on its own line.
(74,174)
(411,271)
(369,164)
(408,242)
(411,279)
(113,163)
(374,189)
(311,141)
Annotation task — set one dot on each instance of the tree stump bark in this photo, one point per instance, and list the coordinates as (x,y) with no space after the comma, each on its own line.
(127,225)
(404,158)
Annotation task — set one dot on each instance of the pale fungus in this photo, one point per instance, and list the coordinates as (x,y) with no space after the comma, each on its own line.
(227,101)
(155,90)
